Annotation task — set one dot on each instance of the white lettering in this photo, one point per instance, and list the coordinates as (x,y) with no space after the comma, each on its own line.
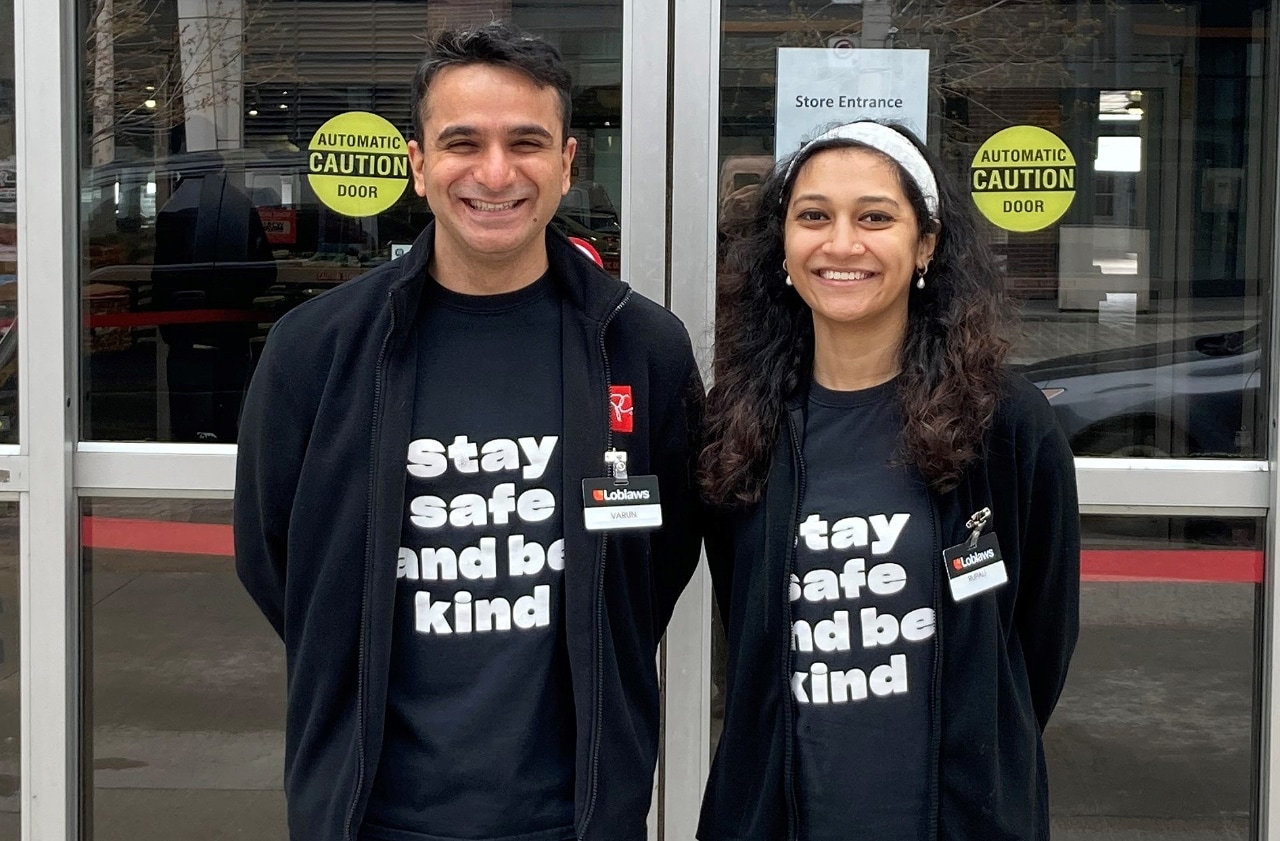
(886,579)
(464,452)
(887,531)
(539,453)
(430,618)
(918,624)
(814,532)
(878,628)
(426,459)
(499,454)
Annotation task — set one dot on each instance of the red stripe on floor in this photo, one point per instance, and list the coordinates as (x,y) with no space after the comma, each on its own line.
(1239,566)
(156,536)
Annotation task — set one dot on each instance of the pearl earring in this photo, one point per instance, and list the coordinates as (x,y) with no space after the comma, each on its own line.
(920,282)
(786,274)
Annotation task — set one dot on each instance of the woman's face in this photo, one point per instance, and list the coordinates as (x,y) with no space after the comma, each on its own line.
(853,243)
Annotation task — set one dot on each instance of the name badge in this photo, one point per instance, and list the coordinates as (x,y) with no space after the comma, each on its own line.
(607,505)
(975,568)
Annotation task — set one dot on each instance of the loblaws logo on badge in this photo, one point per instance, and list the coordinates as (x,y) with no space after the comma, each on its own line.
(620,495)
(973,558)
(621,410)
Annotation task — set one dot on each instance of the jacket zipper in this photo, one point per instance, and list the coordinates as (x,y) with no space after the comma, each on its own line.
(935,713)
(793,807)
(604,542)
(368,568)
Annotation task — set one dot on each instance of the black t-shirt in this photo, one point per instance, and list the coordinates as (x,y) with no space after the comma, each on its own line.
(479,740)
(862,594)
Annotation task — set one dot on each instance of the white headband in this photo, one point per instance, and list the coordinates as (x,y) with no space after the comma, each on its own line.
(889,142)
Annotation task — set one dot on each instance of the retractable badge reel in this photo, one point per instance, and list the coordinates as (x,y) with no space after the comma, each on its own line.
(976,565)
(620,501)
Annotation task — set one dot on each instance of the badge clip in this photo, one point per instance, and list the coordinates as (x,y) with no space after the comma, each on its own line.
(976,524)
(617,463)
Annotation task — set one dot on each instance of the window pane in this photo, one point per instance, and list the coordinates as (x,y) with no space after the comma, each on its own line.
(184,679)
(1142,303)
(8,235)
(10,682)
(1155,735)
(201,226)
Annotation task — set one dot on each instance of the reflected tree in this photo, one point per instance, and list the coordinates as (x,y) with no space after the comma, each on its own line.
(153,66)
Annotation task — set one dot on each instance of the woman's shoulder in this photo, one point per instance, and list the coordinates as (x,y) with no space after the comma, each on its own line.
(1023,412)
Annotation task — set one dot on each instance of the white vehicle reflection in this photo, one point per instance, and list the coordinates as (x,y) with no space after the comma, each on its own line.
(1189,397)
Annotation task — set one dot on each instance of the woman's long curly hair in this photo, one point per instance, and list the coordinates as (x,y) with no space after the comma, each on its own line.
(955,343)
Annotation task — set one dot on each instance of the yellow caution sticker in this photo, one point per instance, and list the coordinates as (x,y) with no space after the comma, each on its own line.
(1023,178)
(358,164)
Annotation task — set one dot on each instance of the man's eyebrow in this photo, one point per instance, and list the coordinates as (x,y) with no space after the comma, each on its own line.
(530,130)
(450,132)
(466,131)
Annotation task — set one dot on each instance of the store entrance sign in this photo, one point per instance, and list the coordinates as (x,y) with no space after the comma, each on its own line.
(1023,178)
(819,88)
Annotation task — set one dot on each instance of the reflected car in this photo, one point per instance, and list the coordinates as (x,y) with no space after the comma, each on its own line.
(1190,397)
(586,212)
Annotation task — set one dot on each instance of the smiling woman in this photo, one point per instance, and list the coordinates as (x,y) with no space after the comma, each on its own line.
(853,247)
(859,383)
(941,338)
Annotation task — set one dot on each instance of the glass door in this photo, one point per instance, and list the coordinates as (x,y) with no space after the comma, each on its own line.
(1145,310)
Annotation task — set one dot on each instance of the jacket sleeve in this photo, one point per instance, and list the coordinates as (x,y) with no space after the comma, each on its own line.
(678,544)
(273,437)
(719,543)
(1048,605)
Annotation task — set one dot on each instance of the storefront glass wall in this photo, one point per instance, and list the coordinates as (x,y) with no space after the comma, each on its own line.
(199,226)
(11,776)
(10,676)
(1157,731)
(1145,315)
(1141,304)
(206,212)
(184,224)
(183,678)
(8,234)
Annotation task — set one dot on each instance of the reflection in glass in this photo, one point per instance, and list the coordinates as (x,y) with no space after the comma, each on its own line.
(1154,735)
(184,679)
(199,224)
(8,234)
(1142,307)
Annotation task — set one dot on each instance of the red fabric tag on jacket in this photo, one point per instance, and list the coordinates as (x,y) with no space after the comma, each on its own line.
(621,411)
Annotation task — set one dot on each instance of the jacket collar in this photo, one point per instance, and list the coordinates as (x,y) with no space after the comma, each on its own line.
(588,288)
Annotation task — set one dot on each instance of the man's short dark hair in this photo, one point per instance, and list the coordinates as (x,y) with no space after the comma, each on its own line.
(499,44)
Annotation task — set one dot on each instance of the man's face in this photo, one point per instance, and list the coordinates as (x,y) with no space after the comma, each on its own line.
(491,163)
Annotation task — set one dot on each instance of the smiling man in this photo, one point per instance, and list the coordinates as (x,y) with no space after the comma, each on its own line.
(471,624)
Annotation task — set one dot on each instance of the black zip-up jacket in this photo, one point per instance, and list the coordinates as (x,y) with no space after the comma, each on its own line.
(1002,655)
(320,481)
